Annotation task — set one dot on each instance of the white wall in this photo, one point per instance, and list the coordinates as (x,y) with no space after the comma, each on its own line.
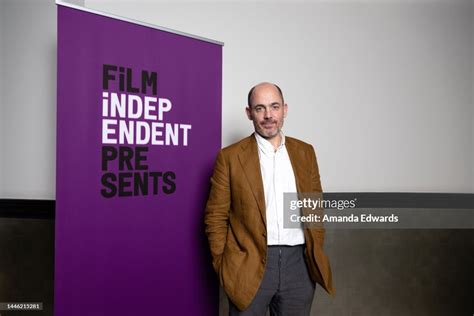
(384,90)
(1,96)
(28,121)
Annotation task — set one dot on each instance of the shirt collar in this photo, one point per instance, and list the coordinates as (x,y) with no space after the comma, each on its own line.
(266,146)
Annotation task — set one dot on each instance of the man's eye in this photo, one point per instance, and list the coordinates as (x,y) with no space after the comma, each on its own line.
(258,109)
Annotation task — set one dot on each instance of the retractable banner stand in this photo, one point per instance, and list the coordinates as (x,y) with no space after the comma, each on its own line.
(138,129)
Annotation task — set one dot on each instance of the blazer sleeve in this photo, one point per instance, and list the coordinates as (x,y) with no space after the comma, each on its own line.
(318,233)
(216,216)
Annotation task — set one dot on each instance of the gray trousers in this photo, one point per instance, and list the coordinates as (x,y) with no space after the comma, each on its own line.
(286,288)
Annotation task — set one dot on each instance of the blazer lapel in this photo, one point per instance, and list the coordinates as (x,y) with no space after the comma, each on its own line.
(251,166)
(299,164)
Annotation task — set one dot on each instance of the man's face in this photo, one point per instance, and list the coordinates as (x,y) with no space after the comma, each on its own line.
(267,110)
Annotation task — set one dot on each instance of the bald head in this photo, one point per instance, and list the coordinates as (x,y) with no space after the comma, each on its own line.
(263,85)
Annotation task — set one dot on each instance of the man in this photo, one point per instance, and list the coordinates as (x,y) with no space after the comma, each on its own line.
(259,263)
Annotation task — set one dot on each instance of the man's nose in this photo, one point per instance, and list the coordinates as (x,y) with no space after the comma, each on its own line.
(268,114)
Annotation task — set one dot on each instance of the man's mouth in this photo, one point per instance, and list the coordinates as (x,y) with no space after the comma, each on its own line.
(268,124)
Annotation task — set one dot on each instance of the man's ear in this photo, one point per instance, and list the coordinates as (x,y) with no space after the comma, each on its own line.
(249,113)
(285,110)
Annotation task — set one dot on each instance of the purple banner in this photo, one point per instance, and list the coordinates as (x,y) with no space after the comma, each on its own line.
(138,129)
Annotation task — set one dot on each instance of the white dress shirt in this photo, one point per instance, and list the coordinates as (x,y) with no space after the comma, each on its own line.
(278,177)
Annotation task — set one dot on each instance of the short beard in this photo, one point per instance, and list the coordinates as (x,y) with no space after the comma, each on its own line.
(269,137)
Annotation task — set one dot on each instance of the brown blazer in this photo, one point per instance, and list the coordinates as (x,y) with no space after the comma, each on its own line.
(236,222)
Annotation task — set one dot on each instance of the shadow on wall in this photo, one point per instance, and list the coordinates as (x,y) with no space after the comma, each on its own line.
(396,272)
(27,263)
